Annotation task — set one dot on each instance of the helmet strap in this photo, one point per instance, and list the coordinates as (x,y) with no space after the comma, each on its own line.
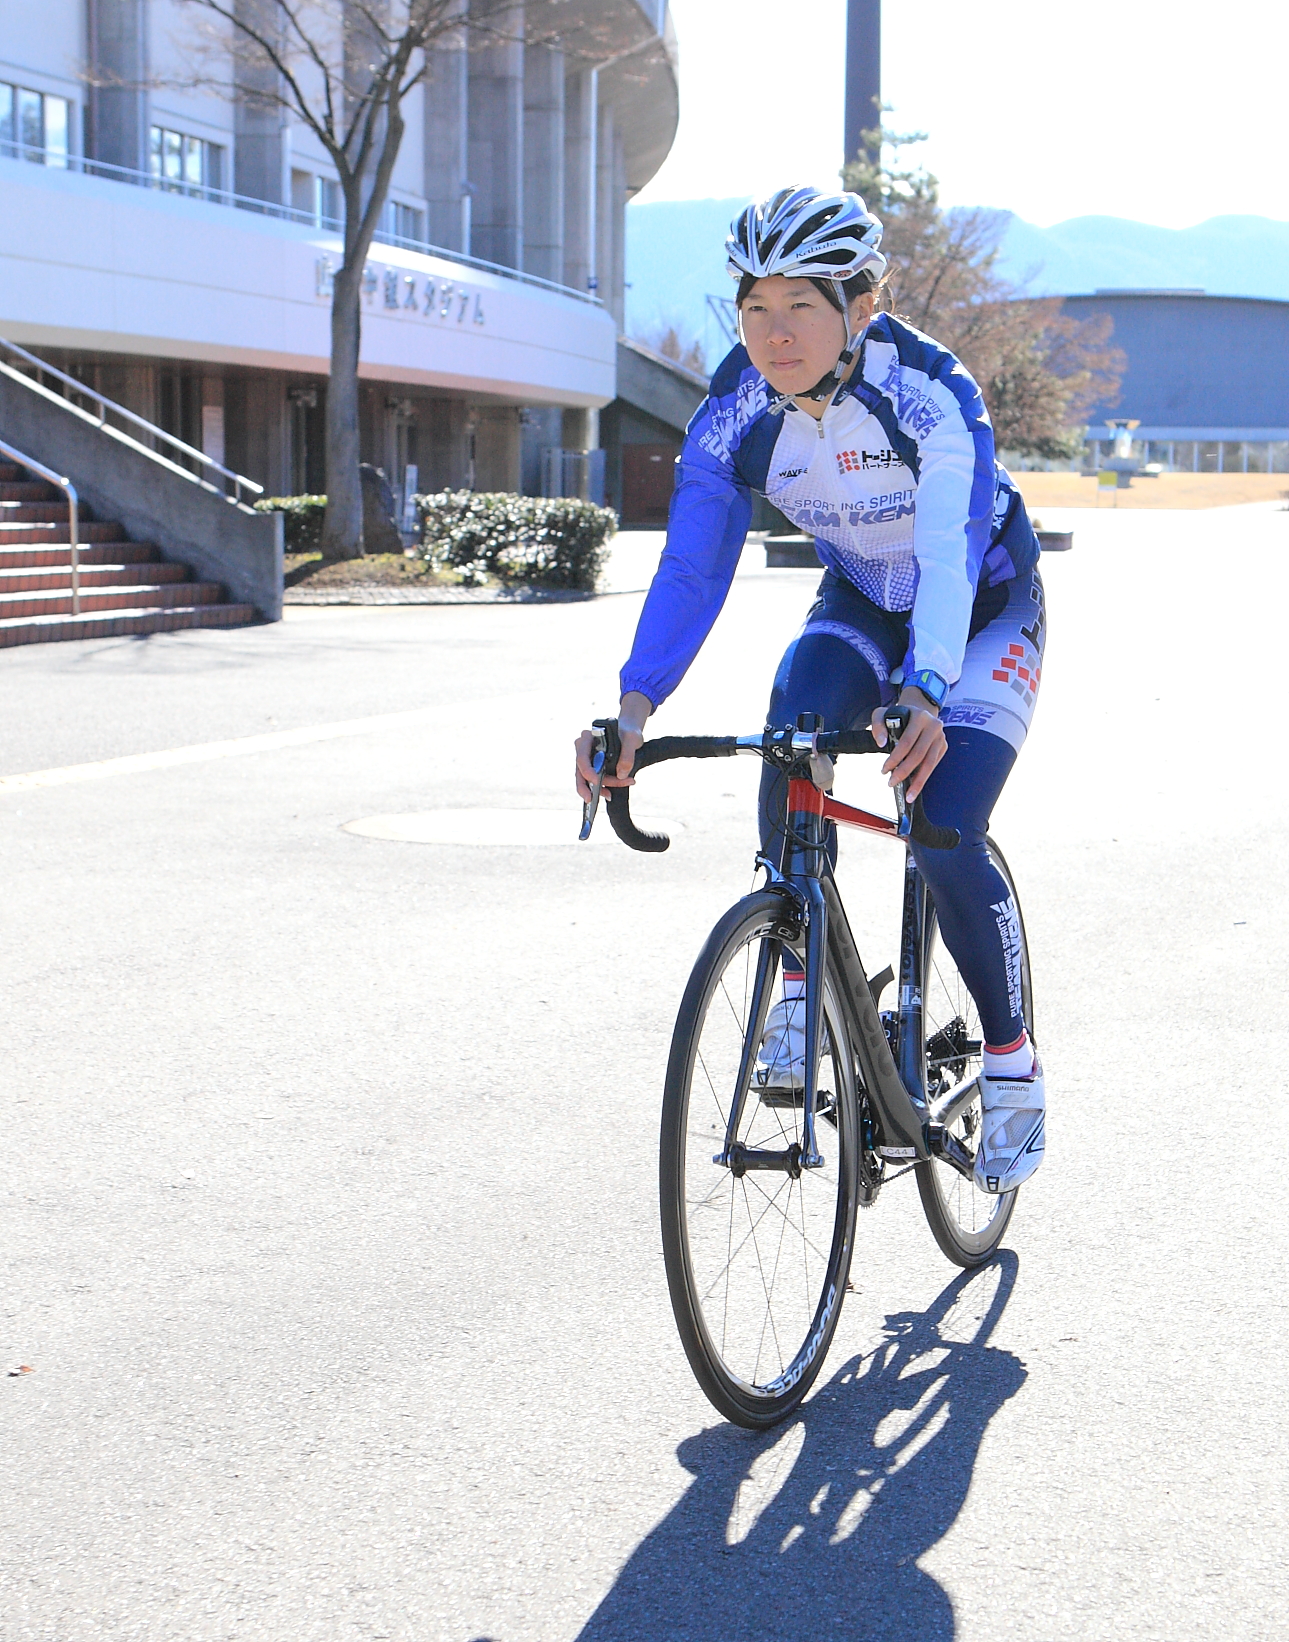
(831,380)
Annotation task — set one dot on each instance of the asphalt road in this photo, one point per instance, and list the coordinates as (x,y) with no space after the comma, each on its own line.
(329,1211)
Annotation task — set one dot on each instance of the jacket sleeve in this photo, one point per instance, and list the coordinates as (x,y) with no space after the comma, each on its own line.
(711,509)
(939,405)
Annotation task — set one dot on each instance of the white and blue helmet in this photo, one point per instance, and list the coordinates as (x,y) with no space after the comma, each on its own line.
(806,234)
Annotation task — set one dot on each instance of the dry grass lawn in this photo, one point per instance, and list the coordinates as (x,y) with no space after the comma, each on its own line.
(1042,490)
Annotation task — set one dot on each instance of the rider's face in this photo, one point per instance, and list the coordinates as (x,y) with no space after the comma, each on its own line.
(792,332)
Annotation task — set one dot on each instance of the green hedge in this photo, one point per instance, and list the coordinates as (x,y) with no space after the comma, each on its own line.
(302,527)
(549,541)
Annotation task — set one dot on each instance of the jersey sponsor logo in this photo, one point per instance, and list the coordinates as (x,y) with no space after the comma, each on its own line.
(862,461)
(1013,670)
(791,473)
(972,715)
(887,515)
(1008,920)
(916,408)
(727,417)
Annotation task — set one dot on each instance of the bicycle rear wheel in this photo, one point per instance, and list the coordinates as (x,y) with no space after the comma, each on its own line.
(967,1223)
(756,1263)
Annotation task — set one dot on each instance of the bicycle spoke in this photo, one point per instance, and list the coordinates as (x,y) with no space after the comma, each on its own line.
(760,1247)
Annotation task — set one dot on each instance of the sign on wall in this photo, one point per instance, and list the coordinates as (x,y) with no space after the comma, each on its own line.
(395,292)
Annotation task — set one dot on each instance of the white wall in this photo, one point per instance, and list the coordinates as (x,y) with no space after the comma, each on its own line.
(89,263)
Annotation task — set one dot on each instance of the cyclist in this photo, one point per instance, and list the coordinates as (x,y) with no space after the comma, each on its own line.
(874,439)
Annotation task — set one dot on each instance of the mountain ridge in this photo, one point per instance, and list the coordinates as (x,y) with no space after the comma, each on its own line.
(675,259)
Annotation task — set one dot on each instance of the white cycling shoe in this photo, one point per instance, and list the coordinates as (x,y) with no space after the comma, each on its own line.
(781,1059)
(1010,1147)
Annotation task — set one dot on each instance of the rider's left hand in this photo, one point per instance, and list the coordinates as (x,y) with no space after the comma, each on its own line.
(919,749)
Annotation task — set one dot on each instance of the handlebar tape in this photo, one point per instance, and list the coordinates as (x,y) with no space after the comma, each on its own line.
(618,800)
(656,752)
(833,742)
(685,746)
(926,832)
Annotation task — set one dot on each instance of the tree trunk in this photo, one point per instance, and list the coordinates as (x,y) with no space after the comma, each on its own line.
(342,530)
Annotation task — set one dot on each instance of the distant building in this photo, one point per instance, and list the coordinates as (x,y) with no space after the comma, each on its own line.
(175,248)
(1207,379)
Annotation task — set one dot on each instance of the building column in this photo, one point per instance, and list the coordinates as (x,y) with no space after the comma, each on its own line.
(581,429)
(606,133)
(446,102)
(496,147)
(259,121)
(580,97)
(617,294)
(544,163)
(118,109)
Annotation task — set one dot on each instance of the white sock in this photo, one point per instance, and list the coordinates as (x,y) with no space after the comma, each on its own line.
(1015,1060)
(794,986)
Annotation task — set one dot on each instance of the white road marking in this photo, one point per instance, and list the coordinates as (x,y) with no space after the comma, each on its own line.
(492,828)
(171,757)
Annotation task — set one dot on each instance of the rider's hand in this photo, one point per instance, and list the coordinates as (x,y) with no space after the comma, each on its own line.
(633,712)
(919,749)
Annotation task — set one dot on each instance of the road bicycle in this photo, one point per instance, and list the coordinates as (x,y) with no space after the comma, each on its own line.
(760,1186)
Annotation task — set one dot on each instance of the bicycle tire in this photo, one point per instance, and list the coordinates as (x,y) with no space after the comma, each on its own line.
(968,1224)
(755,1369)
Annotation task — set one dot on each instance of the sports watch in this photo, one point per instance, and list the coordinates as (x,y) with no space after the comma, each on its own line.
(931,685)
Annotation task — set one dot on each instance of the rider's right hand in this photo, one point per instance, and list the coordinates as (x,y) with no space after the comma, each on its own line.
(635,709)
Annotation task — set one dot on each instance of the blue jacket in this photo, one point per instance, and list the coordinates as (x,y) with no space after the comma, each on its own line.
(897,484)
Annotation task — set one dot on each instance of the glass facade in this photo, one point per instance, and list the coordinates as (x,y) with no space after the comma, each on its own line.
(1201,455)
(34,126)
(187,165)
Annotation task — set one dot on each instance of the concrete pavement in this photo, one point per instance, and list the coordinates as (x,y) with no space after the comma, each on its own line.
(330,1226)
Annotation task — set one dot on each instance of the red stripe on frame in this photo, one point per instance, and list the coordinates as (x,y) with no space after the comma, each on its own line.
(835,810)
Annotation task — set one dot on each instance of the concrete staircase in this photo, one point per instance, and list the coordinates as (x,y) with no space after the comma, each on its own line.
(126,587)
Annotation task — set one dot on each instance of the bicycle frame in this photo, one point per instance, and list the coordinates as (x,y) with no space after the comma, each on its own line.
(911,1131)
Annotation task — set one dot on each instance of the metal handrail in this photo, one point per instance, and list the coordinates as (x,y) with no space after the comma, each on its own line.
(73,509)
(240,481)
(55,159)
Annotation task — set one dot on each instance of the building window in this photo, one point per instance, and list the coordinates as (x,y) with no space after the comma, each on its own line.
(404,222)
(318,199)
(34,127)
(187,165)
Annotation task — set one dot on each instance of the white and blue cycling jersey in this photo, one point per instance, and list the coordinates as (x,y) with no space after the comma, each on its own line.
(898,484)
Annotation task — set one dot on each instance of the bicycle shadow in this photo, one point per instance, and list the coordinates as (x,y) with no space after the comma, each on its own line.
(815,1529)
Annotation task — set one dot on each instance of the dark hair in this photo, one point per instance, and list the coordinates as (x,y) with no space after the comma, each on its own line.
(856,285)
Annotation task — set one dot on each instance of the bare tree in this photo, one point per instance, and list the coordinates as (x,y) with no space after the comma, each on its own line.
(674,340)
(1039,370)
(344,69)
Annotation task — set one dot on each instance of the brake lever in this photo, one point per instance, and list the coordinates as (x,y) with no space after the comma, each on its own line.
(896,720)
(591,805)
(608,747)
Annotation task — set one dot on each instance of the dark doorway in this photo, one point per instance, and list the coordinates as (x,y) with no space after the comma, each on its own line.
(179,411)
(308,439)
(648,476)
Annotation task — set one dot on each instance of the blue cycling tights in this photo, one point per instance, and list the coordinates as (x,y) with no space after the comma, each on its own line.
(840,667)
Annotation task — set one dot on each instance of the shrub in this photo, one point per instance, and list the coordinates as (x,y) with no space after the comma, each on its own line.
(302,527)
(546,541)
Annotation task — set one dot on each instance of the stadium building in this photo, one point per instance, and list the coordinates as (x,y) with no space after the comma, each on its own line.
(1205,383)
(174,248)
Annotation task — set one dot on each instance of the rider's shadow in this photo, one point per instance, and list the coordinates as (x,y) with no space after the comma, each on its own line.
(814,1530)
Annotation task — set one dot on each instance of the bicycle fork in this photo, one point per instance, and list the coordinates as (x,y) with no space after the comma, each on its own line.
(805,805)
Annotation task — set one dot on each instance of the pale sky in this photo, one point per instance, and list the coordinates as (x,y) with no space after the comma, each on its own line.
(1165,113)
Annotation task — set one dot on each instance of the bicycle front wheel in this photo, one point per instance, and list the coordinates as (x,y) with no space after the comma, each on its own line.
(756,1262)
(967,1223)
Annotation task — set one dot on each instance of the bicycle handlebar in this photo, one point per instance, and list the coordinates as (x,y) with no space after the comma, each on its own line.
(831,743)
